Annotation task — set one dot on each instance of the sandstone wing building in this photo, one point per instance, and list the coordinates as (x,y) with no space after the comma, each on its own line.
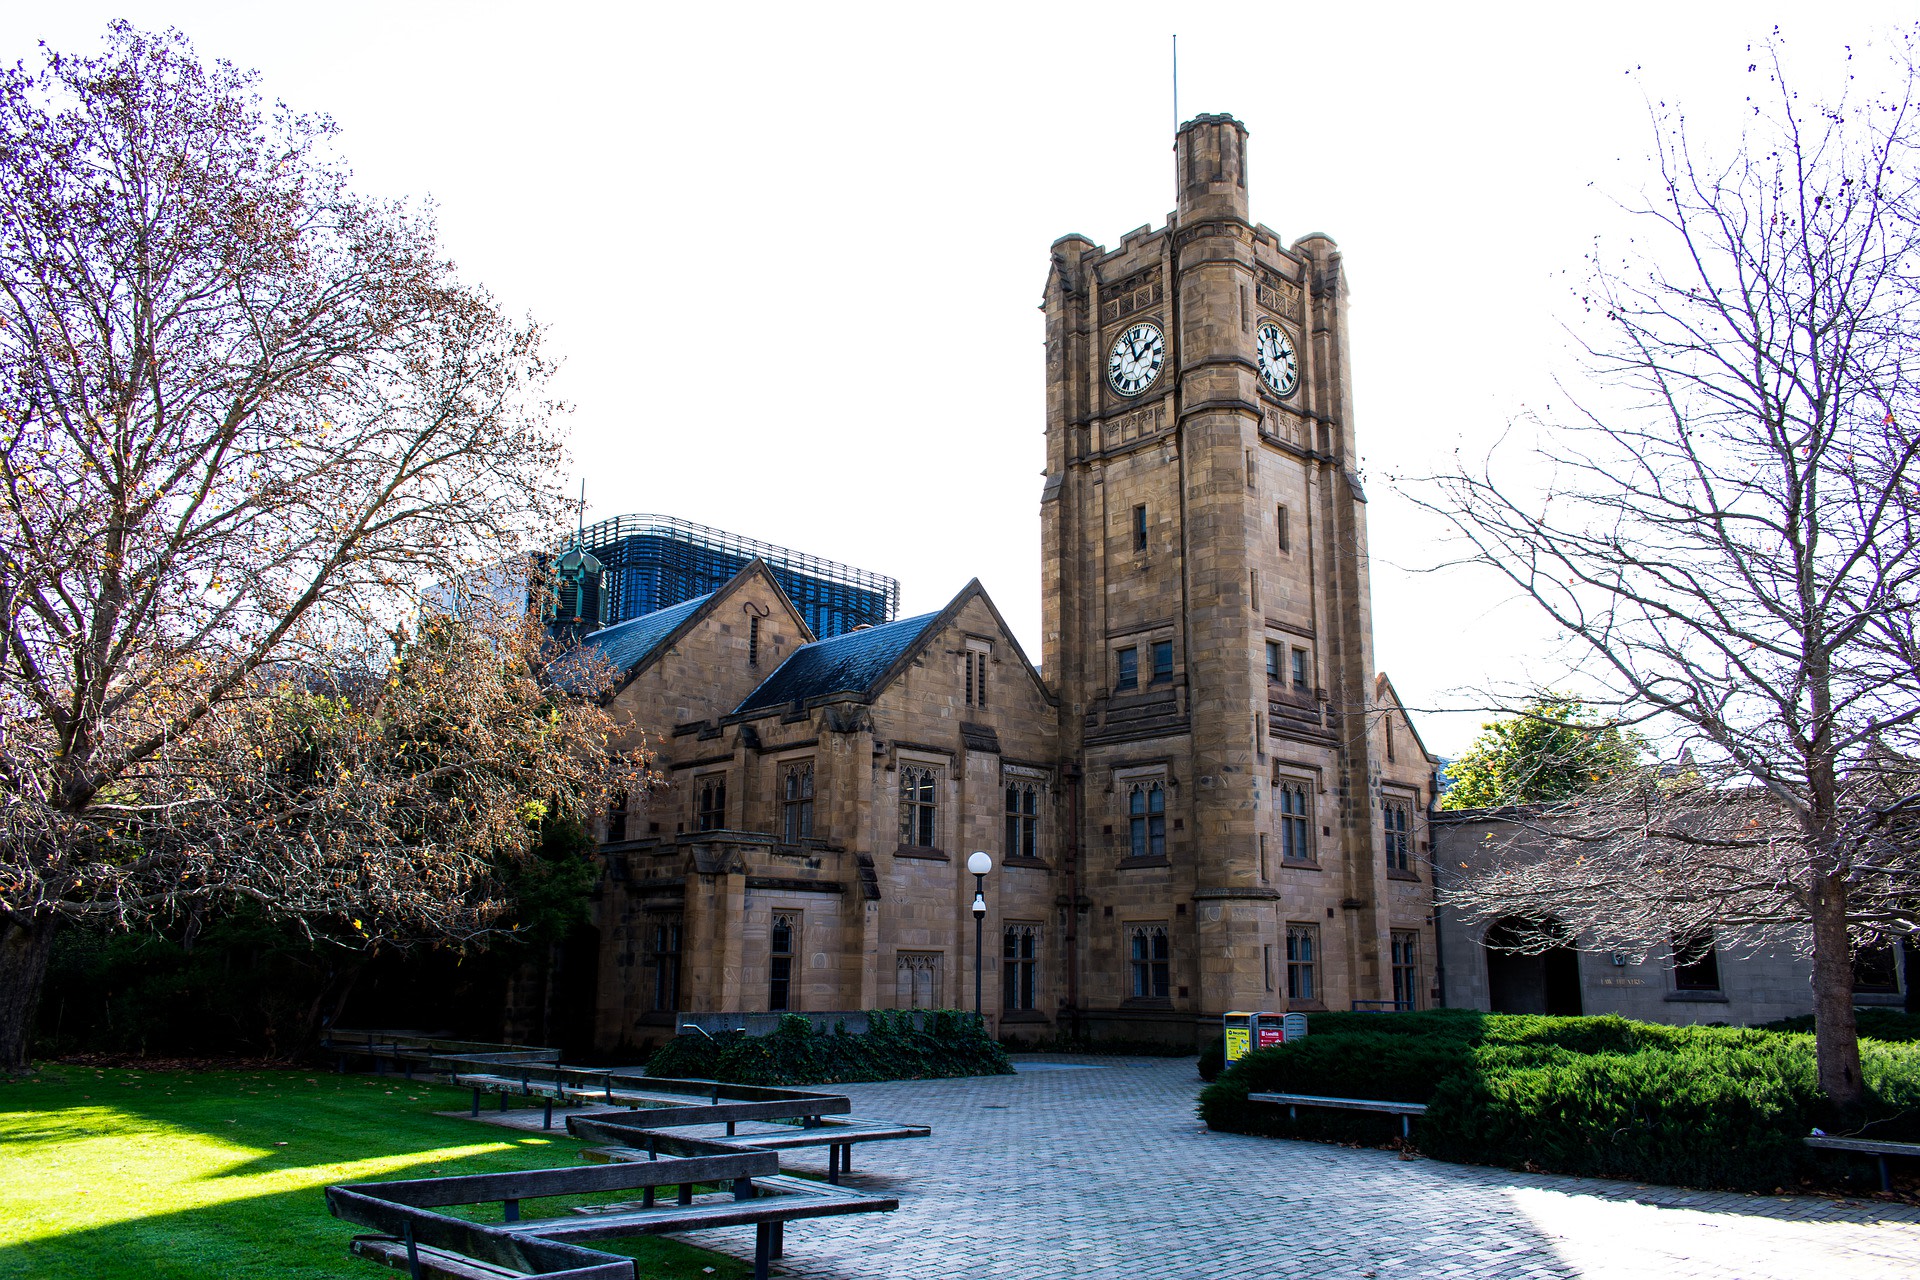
(1204,798)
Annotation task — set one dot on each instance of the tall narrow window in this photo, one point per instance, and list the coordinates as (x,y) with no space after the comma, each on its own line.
(753,641)
(1263,856)
(1126,673)
(918,809)
(780,949)
(1387,724)
(1253,587)
(975,662)
(1149,957)
(1147,820)
(1299,670)
(916,979)
(1406,969)
(1266,964)
(1020,968)
(1303,943)
(711,814)
(1395,818)
(1023,820)
(1696,965)
(1274,661)
(1251,474)
(1163,662)
(617,818)
(665,959)
(796,802)
(1280,524)
(1290,797)
(1140,528)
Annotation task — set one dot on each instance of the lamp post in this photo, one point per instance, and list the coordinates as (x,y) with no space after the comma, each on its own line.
(979,864)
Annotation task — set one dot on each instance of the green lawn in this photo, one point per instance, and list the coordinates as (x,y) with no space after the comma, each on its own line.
(149,1175)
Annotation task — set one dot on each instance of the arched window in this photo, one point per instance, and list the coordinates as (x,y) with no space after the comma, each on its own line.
(1147,820)
(918,809)
(1296,837)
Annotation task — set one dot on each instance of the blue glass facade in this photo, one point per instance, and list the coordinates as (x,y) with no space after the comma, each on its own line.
(653,562)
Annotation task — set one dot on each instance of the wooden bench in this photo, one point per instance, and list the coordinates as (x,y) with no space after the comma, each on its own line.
(714,1103)
(641,1136)
(426,1243)
(1875,1147)
(1405,1110)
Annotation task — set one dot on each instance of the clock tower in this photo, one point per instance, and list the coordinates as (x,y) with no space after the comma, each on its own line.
(1207,624)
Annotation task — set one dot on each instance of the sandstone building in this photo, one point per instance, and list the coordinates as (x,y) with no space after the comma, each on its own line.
(1203,799)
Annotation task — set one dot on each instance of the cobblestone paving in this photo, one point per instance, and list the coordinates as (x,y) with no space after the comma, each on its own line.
(1105,1171)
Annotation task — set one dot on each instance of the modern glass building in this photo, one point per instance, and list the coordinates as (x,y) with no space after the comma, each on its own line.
(652,562)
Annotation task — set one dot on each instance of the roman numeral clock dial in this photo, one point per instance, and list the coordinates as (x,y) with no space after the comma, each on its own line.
(1135,360)
(1279,364)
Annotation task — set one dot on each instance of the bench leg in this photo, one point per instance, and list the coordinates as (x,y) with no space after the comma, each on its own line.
(509,1211)
(546,1121)
(686,1193)
(476,1104)
(1886,1183)
(762,1249)
(503,1099)
(846,1157)
(413,1255)
(646,1198)
(1406,1128)
(779,1239)
(833,1164)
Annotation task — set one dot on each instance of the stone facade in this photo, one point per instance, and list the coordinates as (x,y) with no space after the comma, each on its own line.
(1211,802)
(1744,988)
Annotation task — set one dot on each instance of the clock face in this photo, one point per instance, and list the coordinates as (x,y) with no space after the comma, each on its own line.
(1279,365)
(1135,360)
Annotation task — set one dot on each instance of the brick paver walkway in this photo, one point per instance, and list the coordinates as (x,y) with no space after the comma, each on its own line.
(1105,1171)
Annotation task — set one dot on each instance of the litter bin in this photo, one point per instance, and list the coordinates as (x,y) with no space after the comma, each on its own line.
(1247,1031)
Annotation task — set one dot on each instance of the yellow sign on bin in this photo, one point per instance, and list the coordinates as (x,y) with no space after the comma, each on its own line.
(1245,1031)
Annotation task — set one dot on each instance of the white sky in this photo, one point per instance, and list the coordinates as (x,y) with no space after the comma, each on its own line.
(791,254)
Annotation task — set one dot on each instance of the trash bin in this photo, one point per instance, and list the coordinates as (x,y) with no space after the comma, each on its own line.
(1247,1031)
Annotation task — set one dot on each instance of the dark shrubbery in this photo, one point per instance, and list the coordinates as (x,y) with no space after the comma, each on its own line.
(1601,1097)
(896,1046)
(1213,1059)
(1892,1025)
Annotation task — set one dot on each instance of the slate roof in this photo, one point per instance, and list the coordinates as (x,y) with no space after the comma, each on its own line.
(626,644)
(850,663)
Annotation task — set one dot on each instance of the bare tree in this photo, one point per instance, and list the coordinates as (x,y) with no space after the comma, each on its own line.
(246,412)
(1724,528)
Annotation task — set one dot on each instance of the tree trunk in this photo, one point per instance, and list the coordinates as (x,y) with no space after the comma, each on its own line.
(1836,1041)
(24,948)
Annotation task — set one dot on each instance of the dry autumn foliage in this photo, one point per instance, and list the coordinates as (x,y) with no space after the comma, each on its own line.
(247,415)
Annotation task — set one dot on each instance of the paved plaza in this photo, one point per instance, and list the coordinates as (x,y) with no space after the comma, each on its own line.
(1098,1167)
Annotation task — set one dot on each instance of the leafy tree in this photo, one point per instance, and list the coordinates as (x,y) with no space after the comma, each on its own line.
(1724,529)
(1556,747)
(245,416)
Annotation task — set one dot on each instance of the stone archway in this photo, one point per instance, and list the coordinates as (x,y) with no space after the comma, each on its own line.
(1524,978)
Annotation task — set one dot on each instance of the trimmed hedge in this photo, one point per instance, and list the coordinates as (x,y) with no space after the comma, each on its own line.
(1893,1025)
(1598,1097)
(895,1046)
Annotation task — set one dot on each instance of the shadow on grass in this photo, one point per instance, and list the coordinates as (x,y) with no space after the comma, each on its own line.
(93,1146)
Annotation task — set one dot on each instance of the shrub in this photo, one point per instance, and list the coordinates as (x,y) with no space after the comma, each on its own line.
(1600,1097)
(1892,1025)
(895,1046)
(1213,1059)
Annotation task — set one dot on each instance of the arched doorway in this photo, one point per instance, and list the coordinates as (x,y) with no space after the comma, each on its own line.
(1524,977)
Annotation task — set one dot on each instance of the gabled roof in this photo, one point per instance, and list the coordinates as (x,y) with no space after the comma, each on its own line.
(1383,693)
(862,663)
(851,663)
(626,644)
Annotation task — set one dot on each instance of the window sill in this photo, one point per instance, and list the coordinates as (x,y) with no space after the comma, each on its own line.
(1306,1006)
(1147,1002)
(1035,863)
(1024,1015)
(1126,864)
(1290,864)
(922,852)
(1697,997)
(1393,874)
